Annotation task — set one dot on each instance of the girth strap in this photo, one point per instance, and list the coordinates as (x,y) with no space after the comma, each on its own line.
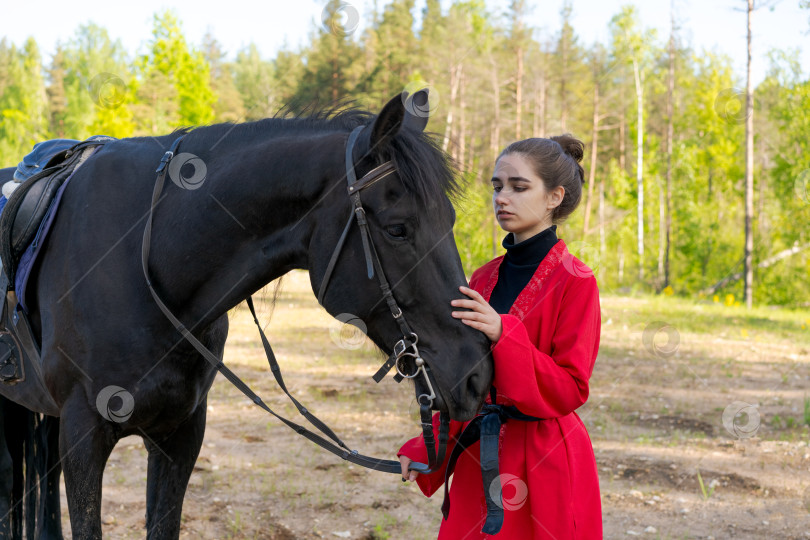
(485,427)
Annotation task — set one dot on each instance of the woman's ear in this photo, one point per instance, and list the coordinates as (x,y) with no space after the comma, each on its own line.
(555,197)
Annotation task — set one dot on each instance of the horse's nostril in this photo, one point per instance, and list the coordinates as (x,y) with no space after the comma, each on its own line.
(472,384)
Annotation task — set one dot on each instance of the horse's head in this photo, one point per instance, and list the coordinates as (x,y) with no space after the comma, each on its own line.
(410,227)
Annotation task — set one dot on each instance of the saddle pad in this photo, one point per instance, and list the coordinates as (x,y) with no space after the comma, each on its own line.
(29,257)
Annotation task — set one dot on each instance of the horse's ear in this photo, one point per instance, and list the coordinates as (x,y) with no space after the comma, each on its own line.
(406,110)
(417,110)
(387,123)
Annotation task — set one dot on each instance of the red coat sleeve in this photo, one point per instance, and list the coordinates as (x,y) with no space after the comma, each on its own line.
(416,451)
(550,386)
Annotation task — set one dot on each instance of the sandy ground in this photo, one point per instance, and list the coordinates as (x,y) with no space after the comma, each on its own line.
(668,465)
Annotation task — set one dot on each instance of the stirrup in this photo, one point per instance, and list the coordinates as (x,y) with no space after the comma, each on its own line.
(9,370)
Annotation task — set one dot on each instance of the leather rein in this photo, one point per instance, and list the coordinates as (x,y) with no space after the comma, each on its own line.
(404,349)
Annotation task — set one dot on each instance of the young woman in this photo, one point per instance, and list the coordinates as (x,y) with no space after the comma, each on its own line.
(539,306)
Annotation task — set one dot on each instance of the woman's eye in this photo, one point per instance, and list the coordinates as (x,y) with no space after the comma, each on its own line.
(397,231)
(519,189)
(496,189)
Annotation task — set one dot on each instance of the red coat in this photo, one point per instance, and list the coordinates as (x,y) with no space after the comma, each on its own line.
(543,361)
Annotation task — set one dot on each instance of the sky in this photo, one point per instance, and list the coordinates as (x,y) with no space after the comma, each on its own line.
(718,25)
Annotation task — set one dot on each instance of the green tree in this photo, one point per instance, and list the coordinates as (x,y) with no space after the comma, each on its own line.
(57,100)
(631,43)
(229,106)
(331,69)
(171,60)
(395,50)
(254,80)
(23,101)
(97,85)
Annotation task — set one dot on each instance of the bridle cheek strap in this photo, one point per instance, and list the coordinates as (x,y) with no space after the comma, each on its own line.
(406,347)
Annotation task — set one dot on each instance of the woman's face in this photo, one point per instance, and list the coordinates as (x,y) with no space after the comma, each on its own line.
(521,202)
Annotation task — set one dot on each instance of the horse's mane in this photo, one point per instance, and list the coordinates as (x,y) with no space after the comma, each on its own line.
(424,168)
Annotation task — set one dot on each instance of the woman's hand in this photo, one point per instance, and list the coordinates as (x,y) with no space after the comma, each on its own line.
(406,474)
(482,317)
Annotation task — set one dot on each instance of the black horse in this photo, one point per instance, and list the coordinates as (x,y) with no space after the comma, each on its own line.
(272,198)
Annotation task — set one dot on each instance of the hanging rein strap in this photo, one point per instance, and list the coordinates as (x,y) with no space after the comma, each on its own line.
(486,427)
(339,448)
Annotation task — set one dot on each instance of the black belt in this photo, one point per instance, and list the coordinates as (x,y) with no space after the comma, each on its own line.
(485,427)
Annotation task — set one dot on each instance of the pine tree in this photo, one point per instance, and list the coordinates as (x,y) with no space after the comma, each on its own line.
(228,107)
(57,100)
(186,70)
(253,78)
(331,71)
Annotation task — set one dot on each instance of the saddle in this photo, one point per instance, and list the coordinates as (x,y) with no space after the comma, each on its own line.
(42,173)
(44,153)
(30,201)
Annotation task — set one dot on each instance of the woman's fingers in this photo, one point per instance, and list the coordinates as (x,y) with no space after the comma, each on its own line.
(482,316)
(467,315)
(404,462)
(469,304)
(472,293)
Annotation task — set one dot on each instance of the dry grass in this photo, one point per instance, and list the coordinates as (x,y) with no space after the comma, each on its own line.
(655,421)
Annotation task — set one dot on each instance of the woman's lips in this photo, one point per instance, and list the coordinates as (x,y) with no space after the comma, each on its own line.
(502,214)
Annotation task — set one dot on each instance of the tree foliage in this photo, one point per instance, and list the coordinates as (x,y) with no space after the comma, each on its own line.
(493,78)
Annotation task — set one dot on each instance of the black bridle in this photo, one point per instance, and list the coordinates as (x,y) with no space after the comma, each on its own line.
(403,349)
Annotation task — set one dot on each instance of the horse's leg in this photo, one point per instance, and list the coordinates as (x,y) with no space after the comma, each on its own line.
(6,477)
(171,460)
(85,443)
(50,512)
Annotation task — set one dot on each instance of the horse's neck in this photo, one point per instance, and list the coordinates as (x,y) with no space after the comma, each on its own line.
(250,224)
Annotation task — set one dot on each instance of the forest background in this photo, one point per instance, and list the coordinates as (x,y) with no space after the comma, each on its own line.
(663,206)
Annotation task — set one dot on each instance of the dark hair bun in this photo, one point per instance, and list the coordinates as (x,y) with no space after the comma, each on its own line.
(571,146)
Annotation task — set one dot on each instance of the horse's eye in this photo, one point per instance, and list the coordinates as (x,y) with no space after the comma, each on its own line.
(397,231)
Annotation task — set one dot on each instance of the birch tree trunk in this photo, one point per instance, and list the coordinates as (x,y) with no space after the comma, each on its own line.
(455,71)
(535,113)
(749,172)
(622,134)
(543,106)
(592,169)
(495,143)
(602,241)
(519,93)
(670,136)
(462,123)
(639,169)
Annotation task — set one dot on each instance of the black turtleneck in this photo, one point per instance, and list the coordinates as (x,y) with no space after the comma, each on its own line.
(519,265)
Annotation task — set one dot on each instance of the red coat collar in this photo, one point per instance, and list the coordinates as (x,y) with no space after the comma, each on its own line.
(526,298)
